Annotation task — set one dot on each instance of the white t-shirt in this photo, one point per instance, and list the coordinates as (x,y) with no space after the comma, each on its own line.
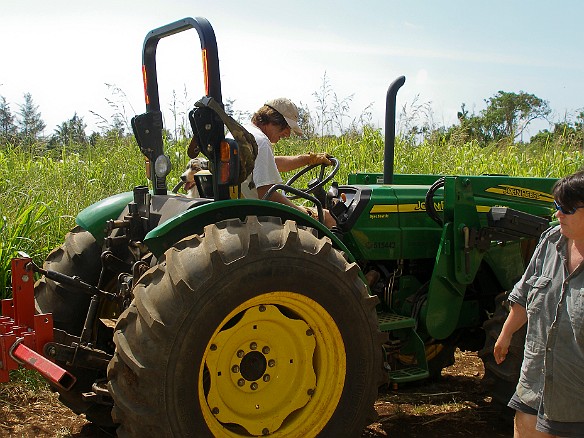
(265,171)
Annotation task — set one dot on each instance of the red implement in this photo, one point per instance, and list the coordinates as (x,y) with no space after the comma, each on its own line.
(23,334)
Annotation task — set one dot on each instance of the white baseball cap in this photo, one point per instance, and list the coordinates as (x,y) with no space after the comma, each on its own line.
(289,111)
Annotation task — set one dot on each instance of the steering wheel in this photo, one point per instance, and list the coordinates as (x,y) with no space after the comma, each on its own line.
(318,182)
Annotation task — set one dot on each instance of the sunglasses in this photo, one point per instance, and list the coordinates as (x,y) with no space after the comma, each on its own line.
(559,208)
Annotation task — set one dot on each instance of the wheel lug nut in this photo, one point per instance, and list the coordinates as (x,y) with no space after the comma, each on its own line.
(266,377)
(240,382)
(235,369)
(271,363)
(254,386)
(240,353)
(253,346)
(266,350)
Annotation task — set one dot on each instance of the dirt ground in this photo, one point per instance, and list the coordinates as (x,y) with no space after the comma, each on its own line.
(456,406)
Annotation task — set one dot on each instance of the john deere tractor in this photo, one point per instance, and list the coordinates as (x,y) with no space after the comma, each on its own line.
(224,316)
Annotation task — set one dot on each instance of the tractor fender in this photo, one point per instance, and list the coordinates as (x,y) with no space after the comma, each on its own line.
(162,208)
(94,217)
(194,220)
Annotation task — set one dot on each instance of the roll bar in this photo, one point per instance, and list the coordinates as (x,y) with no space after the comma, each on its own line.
(148,127)
(209,53)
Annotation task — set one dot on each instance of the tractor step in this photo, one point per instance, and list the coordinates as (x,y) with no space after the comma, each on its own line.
(391,321)
(408,375)
(405,328)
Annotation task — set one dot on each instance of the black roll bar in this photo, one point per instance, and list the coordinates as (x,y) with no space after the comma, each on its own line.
(210,58)
(148,127)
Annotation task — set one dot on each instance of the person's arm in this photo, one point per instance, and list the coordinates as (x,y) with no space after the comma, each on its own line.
(285,163)
(515,320)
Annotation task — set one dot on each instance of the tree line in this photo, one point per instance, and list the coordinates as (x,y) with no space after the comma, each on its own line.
(504,121)
(25,128)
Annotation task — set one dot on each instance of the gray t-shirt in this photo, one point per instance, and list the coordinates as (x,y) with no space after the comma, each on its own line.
(553,363)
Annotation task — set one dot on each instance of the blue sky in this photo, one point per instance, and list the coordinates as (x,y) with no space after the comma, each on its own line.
(451,52)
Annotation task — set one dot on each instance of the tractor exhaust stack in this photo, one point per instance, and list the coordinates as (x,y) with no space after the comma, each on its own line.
(390,129)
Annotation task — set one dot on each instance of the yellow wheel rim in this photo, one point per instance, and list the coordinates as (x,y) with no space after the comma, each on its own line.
(275,366)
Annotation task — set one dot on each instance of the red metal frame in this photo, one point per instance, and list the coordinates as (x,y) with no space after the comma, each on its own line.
(23,334)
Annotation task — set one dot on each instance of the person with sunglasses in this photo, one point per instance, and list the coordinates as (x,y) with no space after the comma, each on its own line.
(549,399)
(277,119)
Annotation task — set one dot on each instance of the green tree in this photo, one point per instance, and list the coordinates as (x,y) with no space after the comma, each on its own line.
(508,114)
(7,123)
(30,123)
(472,128)
(566,133)
(71,132)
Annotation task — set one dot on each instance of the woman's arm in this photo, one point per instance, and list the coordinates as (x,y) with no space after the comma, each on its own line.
(515,320)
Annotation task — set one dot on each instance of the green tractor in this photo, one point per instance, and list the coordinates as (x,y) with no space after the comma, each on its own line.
(222,316)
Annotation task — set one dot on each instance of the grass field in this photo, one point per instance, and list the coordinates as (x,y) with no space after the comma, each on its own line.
(40,196)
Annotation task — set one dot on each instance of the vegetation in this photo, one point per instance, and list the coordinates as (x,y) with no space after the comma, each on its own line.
(48,180)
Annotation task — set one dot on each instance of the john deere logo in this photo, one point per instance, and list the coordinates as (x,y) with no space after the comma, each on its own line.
(382,211)
(520,192)
(421,206)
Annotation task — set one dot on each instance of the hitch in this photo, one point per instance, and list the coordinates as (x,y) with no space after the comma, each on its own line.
(65,279)
(23,335)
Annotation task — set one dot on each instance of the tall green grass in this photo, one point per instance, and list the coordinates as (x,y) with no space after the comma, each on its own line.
(40,196)
(22,232)
(364,153)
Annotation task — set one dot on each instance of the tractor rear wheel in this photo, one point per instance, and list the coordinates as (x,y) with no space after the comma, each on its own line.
(78,256)
(253,328)
(500,380)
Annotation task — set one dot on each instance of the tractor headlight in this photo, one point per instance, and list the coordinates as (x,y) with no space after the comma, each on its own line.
(162,166)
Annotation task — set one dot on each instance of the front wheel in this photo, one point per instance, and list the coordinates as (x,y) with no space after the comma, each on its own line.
(500,380)
(253,328)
